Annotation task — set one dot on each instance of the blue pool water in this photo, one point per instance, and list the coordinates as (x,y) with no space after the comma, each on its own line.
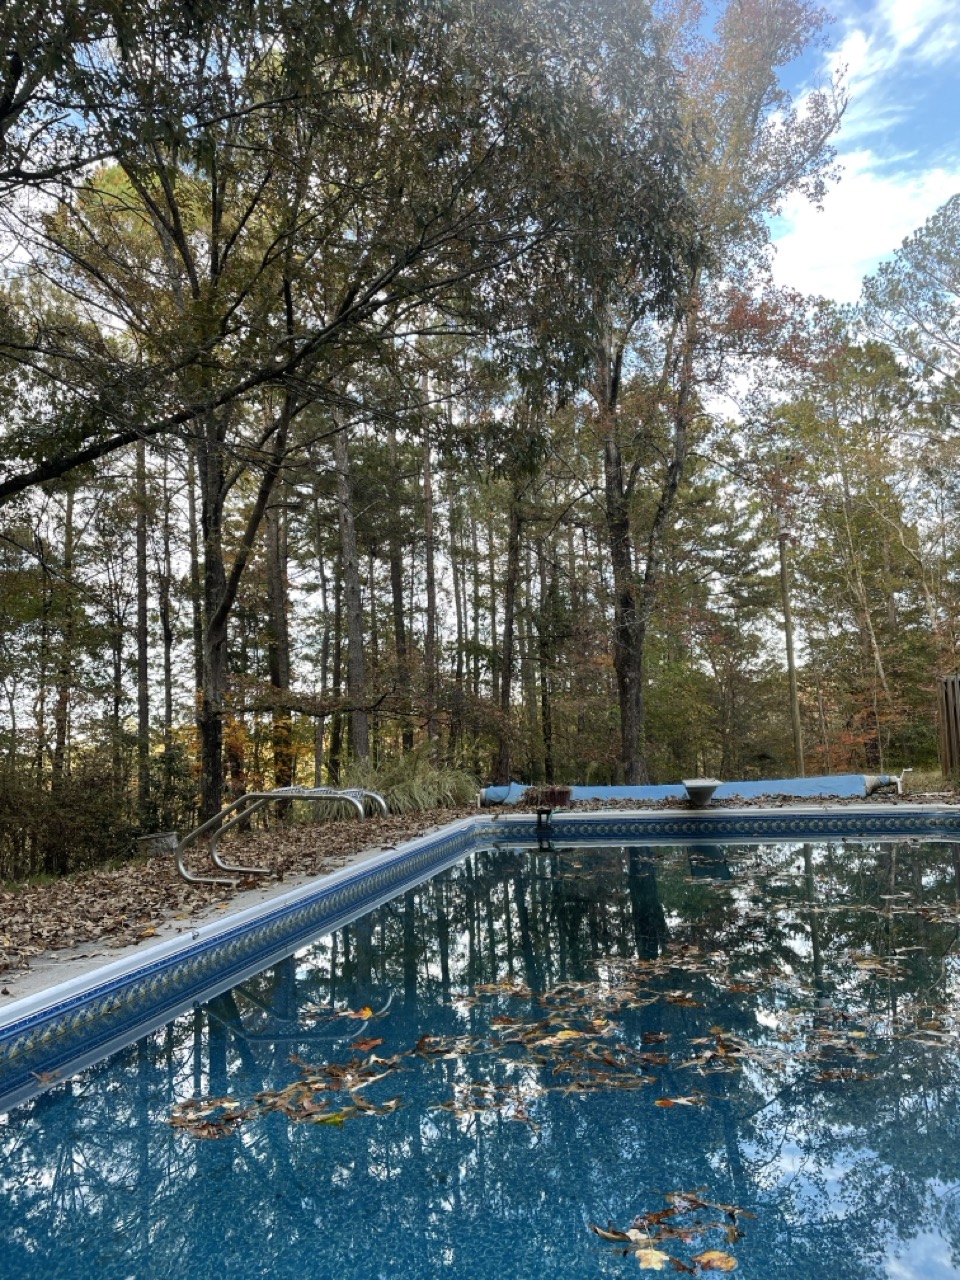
(562,1038)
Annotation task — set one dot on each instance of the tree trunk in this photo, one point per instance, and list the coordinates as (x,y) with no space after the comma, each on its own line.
(459,584)
(475,608)
(43,666)
(684,404)
(117,638)
(430,638)
(318,731)
(544,647)
(278,641)
(336,731)
(196,590)
(61,710)
(395,552)
(143,650)
(494,650)
(352,599)
(528,675)
(165,607)
(791,661)
(627,634)
(220,588)
(503,764)
(214,587)
(374,673)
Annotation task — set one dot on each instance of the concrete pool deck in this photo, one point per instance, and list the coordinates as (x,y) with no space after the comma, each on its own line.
(51,968)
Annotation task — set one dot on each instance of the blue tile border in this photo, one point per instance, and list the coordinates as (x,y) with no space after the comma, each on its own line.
(79,1022)
(791,822)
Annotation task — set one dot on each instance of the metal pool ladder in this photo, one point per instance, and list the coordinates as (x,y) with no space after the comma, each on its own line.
(243,808)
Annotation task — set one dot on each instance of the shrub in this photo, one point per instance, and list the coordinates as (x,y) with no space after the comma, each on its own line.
(410,783)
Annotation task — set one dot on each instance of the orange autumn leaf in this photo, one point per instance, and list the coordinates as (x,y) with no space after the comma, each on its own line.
(716,1260)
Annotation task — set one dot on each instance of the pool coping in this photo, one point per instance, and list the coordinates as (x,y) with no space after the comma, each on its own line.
(54,1032)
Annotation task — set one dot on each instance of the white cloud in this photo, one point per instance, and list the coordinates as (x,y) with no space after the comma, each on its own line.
(926,1257)
(918,31)
(864,218)
(884,55)
(897,36)
(927,28)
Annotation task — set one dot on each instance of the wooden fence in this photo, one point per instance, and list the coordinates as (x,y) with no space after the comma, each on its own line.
(949,700)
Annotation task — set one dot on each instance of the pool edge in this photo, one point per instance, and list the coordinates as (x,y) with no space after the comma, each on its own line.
(71,1024)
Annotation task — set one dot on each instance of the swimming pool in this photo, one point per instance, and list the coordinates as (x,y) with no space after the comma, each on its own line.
(739,1053)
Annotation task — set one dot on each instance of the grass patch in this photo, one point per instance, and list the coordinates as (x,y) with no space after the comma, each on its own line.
(411,783)
(928,780)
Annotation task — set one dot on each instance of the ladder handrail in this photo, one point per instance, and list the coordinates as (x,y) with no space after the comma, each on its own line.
(216,825)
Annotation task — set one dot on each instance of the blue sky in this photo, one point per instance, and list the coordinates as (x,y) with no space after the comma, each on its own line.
(899,144)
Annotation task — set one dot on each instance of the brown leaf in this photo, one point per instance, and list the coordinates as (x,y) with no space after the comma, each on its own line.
(715,1260)
(609,1232)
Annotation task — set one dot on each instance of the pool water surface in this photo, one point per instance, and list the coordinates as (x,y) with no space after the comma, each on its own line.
(720,1057)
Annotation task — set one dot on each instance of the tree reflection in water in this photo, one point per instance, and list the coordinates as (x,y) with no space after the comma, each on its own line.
(830,969)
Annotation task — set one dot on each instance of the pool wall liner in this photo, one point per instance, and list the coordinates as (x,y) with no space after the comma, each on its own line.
(48,1036)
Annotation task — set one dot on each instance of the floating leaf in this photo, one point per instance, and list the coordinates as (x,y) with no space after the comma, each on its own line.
(365,1012)
(715,1260)
(366,1045)
(653,1259)
(335,1117)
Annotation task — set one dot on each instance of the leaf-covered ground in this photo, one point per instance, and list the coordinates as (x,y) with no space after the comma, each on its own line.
(125,905)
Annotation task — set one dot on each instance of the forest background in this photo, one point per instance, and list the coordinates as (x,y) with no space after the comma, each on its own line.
(400,391)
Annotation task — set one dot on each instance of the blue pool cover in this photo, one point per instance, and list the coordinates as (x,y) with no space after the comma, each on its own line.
(838,784)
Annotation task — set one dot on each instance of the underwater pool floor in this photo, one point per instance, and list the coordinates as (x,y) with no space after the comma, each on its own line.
(577,1061)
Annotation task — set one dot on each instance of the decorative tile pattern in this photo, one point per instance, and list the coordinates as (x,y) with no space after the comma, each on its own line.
(847,822)
(100,1018)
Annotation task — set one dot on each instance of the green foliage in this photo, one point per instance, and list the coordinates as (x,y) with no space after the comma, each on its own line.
(83,823)
(526,245)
